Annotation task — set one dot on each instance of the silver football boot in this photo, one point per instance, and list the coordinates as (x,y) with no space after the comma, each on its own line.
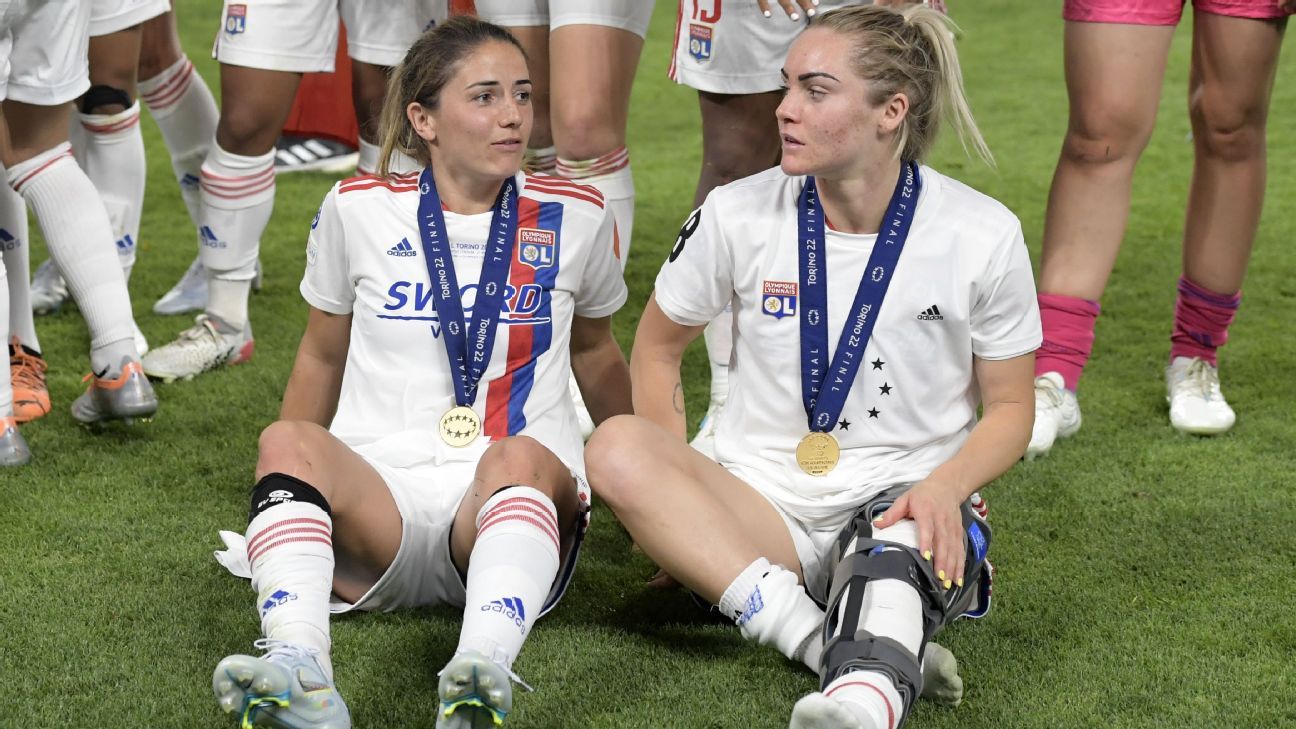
(476,693)
(285,688)
(125,397)
(13,449)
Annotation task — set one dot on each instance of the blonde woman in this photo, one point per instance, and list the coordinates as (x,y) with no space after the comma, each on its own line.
(877,303)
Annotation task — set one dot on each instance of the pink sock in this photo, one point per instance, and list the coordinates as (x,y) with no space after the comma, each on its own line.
(1202,320)
(1068,323)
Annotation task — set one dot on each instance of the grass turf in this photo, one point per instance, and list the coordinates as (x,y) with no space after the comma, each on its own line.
(1143,577)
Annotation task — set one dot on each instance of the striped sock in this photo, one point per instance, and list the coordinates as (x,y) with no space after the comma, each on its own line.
(541,160)
(186,114)
(113,159)
(1202,319)
(237,200)
(290,549)
(611,174)
(510,572)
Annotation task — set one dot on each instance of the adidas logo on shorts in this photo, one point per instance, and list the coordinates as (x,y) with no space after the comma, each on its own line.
(402,249)
(931,314)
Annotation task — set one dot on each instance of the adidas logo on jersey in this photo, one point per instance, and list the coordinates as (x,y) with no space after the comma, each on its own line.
(402,249)
(509,607)
(931,314)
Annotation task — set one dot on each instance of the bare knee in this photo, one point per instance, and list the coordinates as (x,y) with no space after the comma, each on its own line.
(585,131)
(1228,129)
(1104,134)
(523,460)
(245,129)
(291,447)
(615,462)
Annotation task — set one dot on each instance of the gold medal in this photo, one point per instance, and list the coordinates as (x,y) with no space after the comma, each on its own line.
(818,453)
(459,426)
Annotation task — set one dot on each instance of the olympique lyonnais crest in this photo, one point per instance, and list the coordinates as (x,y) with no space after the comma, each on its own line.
(700,41)
(236,19)
(779,299)
(535,248)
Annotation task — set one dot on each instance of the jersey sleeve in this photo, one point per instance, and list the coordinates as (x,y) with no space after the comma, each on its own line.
(1005,317)
(696,282)
(602,287)
(326,284)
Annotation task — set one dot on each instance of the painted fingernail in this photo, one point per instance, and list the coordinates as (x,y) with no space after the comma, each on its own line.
(927,555)
(947,584)
(810,13)
(794,16)
(940,575)
(959,581)
(766,13)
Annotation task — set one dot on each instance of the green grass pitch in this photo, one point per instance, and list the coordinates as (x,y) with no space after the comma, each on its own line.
(1144,578)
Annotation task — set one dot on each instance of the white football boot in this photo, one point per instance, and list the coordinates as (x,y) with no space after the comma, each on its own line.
(475,692)
(206,345)
(48,289)
(190,292)
(1057,414)
(1196,404)
(286,688)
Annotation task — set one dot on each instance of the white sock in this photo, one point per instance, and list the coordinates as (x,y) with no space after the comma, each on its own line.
(510,572)
(890,609)
(113,159)
(773,609)
(540,160)
(290,549)
(368,162)
(77,233)
(6,384)
(186,114)
(15,245)
(609,173)
(237,200)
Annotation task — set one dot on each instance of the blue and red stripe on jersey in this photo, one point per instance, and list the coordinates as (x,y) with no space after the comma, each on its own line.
(507,395)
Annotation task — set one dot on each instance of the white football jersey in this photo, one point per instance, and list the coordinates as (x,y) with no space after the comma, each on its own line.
(364,257)
(962,288)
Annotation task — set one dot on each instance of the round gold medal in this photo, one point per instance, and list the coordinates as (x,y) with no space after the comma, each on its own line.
(460,426)
(818,453)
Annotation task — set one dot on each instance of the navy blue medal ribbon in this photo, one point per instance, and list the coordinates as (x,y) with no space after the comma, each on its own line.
(469,351)
(824,385)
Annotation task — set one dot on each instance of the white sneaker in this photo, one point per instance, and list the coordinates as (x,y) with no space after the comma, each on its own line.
(204,346)
(1057,414)
(190,292)
(48,289)
(583,417)
(1196,404)
(704,441)
(285,688)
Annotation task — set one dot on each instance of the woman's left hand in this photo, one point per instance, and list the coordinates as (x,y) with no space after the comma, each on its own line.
(935,507)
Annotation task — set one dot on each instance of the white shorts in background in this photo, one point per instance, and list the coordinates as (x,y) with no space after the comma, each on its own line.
(301,35)
(110,16)
(44,46)
(423,572)
(730,48)
(631,15)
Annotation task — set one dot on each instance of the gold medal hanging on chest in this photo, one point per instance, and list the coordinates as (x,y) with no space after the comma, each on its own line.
(460,426)
(818,453)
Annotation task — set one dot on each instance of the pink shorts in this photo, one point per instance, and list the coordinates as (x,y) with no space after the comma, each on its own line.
(1164,12)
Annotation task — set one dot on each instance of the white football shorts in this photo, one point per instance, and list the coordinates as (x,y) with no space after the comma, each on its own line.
(110,16)
(423,572)
(43,51)
(301,35)
(631,15)
(731,48)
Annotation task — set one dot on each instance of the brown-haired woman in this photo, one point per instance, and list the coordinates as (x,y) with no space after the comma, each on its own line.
(844,475)
(427,451)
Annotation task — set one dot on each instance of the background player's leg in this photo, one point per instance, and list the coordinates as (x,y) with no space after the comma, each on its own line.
(66,204)
(238,186)
(739,138)
(26,365)
(1114,75)
(541,156)
(368,89)
(321,521)
(595,68)
(186,114)
(1233,66)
